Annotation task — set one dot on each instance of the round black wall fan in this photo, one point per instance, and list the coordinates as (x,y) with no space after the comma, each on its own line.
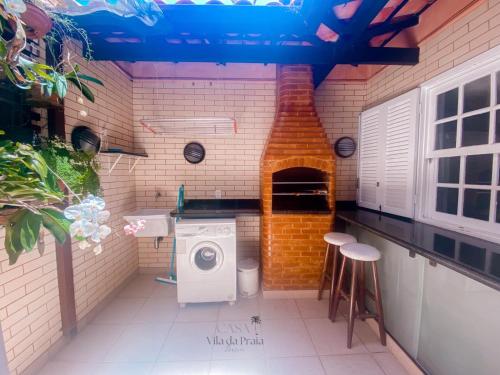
(194,153)
(345,147)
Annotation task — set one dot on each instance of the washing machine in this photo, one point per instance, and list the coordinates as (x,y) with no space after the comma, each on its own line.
(206,260)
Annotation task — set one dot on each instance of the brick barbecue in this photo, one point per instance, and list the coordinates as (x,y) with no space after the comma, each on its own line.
(297,186)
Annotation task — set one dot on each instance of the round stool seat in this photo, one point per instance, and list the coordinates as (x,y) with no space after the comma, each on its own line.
(360,251)
(338,238)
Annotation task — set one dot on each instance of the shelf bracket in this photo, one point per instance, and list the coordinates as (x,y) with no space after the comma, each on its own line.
(131,166)
(112,167)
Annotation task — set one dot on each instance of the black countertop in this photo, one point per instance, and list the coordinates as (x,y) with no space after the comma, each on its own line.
(470,256)
(218,208)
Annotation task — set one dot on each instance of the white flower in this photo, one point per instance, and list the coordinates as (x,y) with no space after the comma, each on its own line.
(101,233)
(82,228)
(94,203)
(83,244)
(98,249)
(78,212)
(88,222)
(103,216)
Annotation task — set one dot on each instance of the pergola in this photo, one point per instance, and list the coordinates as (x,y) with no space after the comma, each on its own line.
(322,33)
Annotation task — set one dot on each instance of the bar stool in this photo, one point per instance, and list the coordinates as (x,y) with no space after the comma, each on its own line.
(336,239)
(359,254)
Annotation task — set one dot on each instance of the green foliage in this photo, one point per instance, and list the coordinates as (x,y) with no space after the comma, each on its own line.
(77,169)
(28,184)
(24,73)
(56,223)
(64,28)
(25,178)
(23,230)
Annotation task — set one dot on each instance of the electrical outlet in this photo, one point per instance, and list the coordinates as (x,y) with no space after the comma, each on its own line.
(218,194)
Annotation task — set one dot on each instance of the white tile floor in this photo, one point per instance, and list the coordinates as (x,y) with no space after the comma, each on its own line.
(143,331)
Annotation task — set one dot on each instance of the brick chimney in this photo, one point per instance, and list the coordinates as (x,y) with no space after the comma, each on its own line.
(297,186)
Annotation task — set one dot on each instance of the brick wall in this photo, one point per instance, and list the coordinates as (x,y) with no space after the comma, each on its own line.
(467,36)
(231,164)
(29,304)
(111,117)
(338,104)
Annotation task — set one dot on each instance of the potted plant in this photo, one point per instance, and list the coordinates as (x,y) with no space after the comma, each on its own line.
(52,81)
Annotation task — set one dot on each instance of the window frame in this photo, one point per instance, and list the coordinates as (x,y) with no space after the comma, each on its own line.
(485,64)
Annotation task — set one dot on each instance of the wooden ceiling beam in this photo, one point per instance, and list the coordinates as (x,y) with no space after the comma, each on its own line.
(264,54)
(352,36)
(396,25)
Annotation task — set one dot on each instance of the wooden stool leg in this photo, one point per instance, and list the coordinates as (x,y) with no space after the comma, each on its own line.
(334,278)
(378,303)
(336,298)
(352,303)
(361,290)
(323,273)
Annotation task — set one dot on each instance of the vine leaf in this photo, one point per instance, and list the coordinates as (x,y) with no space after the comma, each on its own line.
(56,223)
(9,246)
(89,78)
(61,85)
(25,229)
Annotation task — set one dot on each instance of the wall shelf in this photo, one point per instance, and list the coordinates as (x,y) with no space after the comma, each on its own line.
(133,158)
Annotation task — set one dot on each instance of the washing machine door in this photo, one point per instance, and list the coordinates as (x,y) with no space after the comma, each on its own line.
(206,257)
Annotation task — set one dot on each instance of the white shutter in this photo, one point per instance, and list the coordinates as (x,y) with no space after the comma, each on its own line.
(398,177)
(369,158)
(387,155)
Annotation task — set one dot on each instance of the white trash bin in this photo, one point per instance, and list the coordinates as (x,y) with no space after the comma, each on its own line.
(248,277)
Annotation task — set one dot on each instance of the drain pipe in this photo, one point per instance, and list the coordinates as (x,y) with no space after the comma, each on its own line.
(157,241)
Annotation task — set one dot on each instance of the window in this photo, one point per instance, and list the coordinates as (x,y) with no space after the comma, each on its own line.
(387,149)
(460,162)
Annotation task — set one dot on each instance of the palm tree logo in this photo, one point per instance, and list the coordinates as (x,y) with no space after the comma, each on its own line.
(254,320)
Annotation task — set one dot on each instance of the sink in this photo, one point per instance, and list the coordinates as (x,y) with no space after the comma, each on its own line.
(158,222)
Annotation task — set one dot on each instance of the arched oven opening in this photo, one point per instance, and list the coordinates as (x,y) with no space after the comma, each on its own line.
(301,190)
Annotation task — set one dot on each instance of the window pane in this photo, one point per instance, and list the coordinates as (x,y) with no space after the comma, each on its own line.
(498,87)
(497,127)
(475,130)
(447,200)
(446,135)
(477,204)
(478,169)
(449,170)
(498,206)
(447,104)
(477,94)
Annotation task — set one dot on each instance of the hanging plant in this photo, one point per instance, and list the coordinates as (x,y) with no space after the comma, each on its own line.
(77,168)
(25,73)
(31,197)
(29,187)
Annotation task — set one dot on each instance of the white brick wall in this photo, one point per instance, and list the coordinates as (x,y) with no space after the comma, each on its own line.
(29,301)
(111,117)
(339,104)
(475,32)
(29,304)
(231,164)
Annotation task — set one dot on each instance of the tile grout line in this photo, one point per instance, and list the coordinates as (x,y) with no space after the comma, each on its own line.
(311,338)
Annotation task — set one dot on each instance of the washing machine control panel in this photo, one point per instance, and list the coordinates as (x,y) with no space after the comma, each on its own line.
(210,231)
